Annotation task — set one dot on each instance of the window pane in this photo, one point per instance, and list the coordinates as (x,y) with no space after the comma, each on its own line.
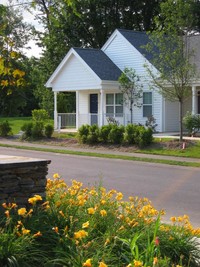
(119,110)
(119,99)
(147,98)
(109,99)
(110,109)
(147,111)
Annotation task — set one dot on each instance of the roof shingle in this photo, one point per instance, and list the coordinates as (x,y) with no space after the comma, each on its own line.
(100,63)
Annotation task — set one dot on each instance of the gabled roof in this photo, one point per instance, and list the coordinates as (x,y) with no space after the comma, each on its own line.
(100,63)
(138,40)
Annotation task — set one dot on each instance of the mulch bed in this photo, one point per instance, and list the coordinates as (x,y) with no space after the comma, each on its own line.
(72,142)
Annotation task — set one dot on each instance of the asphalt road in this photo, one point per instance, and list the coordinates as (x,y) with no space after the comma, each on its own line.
(173,188)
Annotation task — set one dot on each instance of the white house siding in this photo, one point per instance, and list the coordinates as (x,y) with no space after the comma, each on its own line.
(171,113)
(74,76)
(187,105)
(123,54)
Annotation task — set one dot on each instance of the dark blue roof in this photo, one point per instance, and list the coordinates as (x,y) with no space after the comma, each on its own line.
(100,63)
(138,40)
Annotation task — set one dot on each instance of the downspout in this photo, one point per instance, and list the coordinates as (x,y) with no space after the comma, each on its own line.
(194,101)
(77,110)
(55,112)
(102,108)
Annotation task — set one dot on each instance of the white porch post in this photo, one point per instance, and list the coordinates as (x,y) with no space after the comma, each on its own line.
(55,112)
(77,110)
(102,108)
(194,100)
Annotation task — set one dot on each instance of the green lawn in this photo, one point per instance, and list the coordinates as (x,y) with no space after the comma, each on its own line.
(15,122)
(190,151)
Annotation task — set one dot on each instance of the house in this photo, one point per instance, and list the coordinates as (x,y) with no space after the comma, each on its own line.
(93,75)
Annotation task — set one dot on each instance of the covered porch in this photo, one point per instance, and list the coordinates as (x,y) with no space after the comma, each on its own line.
(93,107)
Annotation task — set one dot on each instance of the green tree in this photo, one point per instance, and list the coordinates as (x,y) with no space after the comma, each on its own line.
(131,88)
(170,47)
(14,35)
(39,75)
(88,23)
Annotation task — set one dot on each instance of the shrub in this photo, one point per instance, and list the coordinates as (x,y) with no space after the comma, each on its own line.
(83,132)
(48,130)
(5,128)
(131,131)
(27,129)
(116,135)
(145,136)
(104,133)
(192,123)
(37,130)
(93,135)
(40,115)
(151,123)
(142,136)
(32,130)
(112,120)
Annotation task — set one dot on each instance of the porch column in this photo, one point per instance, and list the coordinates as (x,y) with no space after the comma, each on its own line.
(194,100)
(77,110)
(102,108)
(55,112)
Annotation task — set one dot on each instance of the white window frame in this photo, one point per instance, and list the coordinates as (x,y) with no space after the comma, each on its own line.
(148,104)
(114,105)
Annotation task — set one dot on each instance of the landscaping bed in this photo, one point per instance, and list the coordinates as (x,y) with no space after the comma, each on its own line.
(79,226)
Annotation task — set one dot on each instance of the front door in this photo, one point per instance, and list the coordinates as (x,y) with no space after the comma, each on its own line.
(94,108)
(198,103)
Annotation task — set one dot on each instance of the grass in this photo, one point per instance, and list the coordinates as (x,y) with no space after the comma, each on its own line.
(192,151)
(64,135)
(15,122)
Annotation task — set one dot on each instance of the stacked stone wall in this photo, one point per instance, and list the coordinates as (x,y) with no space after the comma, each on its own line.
(21,179)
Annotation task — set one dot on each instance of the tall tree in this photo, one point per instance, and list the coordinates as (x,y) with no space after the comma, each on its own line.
(14,34)
(85,23)
(170,46)
(88,23)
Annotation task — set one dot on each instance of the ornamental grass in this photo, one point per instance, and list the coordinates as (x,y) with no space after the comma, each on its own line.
(79,226)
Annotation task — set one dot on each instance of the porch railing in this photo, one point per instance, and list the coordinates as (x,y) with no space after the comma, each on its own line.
(68,120)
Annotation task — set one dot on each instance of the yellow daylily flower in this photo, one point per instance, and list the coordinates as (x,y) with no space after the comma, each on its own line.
(88,263)
(86,224)
(22,211)
(103,213)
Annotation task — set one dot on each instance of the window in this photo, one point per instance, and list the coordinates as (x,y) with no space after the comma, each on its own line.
(147,104)
(114,105)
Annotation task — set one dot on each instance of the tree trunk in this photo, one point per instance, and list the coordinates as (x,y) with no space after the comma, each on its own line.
(181,120)
(131,111)
(131,108)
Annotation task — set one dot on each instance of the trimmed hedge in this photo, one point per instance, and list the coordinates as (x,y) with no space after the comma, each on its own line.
(132,134)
